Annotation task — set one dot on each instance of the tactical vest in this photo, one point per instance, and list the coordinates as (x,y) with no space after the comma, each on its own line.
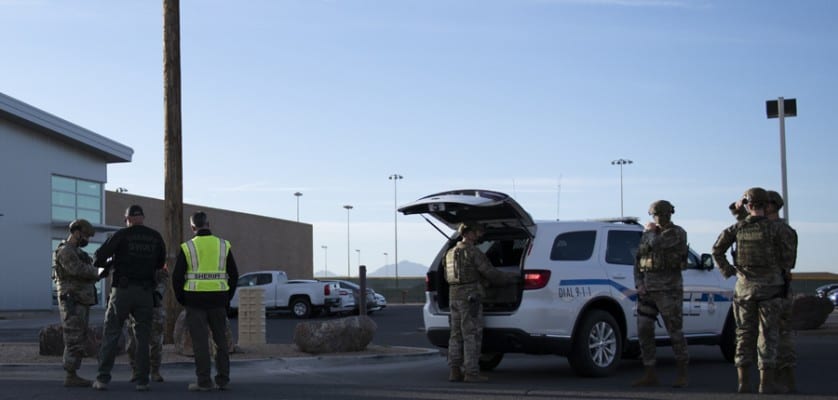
(206,263)
(754,247)
(459,269)
(671,259)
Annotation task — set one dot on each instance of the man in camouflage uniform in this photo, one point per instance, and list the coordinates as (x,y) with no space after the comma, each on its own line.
(661,257)
(75,278)
(467,271)
(761,256)
(786,355)
(158,324)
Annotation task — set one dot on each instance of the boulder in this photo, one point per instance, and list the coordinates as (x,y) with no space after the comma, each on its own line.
(810,312)
(51,341)
(183,340)
(335,336)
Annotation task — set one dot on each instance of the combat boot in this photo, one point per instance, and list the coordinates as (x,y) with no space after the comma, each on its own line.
(456,375)
(475,378)
(768,384)
(649,378)
(744,380)
(681,379)
(155,375)
(73,380)
(785,376)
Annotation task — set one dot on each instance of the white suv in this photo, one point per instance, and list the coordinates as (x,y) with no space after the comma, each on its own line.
(578,297)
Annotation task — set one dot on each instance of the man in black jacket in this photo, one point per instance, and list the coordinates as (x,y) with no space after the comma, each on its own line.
(204,281)
(136,254)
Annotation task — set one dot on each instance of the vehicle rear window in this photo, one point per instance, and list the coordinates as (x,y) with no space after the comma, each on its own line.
(573,246)
(622,247)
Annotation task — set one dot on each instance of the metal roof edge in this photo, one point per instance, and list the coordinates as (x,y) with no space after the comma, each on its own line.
(113,151)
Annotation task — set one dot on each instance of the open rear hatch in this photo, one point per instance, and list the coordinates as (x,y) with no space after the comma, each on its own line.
(509,230)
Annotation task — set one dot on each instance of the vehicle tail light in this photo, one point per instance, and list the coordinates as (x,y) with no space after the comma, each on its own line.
(428,282)
(327,290)
(536,279)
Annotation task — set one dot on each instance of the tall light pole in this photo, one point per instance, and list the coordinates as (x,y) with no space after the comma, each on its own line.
(347,207)
(359,257)
(325,259)
(385,263)
(395,178)
(782,108)
(621,162)
(297,195)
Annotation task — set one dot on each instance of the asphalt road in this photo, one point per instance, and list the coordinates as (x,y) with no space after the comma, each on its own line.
(517,377)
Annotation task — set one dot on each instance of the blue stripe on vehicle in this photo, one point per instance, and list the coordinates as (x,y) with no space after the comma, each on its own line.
(631,294)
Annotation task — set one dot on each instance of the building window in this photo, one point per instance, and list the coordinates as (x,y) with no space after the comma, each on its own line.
(76,198)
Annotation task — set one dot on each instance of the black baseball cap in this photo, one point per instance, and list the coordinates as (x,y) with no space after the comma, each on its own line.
(134,211)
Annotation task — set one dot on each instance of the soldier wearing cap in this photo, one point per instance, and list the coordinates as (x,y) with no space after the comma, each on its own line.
(75,278)
(661,257)
(758,298)
(786,355)
(467,271)
(136,254)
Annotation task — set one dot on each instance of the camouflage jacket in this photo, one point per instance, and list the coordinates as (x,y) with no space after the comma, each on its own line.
(789,236)
(74,274)
(468,270)
(660,259)
(765,246)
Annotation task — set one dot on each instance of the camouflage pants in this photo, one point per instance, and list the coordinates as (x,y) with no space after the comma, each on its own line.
(74,322)
(466,338)
(669,304)
(758,322)
(155,342)
(786,355)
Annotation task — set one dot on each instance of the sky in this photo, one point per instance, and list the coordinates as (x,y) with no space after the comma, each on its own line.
(533,98)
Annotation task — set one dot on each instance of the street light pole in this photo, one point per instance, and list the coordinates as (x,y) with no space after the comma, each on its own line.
(325,259)
(359,256)
(621,162)
(782,108)
(297,195)
(347,207)
(385,263)
(395,178)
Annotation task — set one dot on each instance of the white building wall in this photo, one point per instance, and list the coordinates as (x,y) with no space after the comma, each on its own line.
(28,160)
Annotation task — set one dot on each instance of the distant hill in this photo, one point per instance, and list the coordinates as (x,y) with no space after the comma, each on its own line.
(406,268)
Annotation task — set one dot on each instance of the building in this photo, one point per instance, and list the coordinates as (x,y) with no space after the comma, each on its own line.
(54,171)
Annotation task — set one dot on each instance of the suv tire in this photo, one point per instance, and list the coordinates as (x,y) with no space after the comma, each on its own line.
(728,341)
(597,345)
(489,361)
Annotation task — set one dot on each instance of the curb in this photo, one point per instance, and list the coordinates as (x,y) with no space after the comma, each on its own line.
(411,353)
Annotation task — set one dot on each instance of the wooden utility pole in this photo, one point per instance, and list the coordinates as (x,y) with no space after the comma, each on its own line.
(173,151)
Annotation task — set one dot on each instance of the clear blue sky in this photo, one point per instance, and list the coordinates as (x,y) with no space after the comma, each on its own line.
(534,98)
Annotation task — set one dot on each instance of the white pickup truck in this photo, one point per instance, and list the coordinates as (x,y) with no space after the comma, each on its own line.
(302,297)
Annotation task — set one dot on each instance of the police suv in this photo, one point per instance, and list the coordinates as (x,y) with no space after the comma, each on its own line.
(578,297)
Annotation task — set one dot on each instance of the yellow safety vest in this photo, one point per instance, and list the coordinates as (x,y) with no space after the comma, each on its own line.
(206,264)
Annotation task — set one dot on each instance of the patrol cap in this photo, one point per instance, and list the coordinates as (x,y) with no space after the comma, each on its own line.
(134,211)
(469,227)
(82,225)
(661,207)
(774,197)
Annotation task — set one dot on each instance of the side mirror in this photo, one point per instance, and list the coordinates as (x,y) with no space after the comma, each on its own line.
(707,262)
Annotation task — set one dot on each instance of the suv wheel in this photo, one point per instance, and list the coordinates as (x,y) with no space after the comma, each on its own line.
(597,345)
(488,361)
(728,341)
